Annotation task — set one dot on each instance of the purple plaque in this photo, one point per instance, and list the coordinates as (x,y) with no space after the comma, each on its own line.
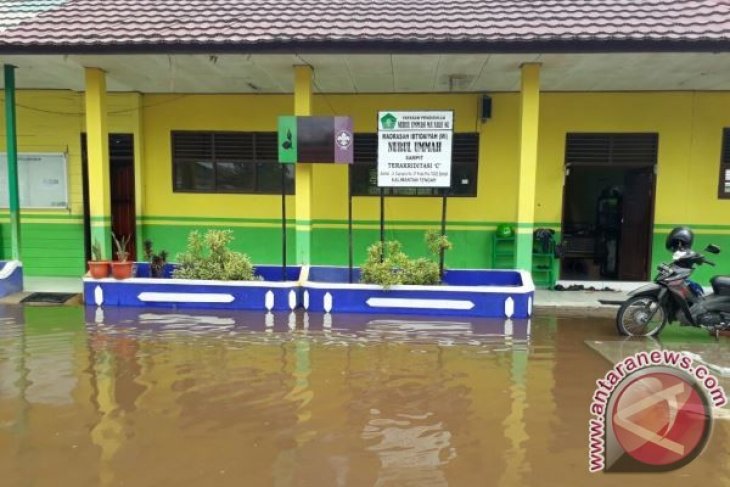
(344,140)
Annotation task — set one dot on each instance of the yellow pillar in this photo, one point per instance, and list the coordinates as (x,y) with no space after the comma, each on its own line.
(529,122)
(138,172)
(304,181)
(97,149)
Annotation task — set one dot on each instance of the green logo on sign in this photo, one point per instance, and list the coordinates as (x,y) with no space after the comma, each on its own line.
(287,144)
(388,121)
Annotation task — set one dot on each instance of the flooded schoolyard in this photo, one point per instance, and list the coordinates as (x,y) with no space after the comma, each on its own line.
(155,398)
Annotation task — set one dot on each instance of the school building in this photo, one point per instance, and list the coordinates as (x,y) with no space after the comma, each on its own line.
(607,122)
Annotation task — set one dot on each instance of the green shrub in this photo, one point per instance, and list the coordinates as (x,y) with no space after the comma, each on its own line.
(388,265)
(208,257)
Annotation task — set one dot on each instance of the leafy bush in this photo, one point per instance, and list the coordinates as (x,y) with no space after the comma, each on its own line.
(208,257)
(388,265)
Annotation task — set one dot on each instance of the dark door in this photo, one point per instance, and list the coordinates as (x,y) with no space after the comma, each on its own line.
(121,172)
(85,189)
(636,224)
(121,175)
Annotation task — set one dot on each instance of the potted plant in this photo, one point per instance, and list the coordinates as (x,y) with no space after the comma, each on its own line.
(122,268)
(157,261)
(98,268)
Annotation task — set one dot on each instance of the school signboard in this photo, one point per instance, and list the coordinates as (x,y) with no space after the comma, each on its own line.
(414,149)
(315,140)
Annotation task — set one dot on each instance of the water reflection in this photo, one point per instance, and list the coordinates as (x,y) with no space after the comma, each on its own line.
(125,397)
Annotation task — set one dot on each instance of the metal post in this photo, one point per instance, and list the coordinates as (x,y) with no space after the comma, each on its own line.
(283,221)
(382,224)
(349,218)
(443,230)
(12,156)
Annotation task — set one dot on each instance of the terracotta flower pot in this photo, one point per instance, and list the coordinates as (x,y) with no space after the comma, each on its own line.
(122,270)
(99,269)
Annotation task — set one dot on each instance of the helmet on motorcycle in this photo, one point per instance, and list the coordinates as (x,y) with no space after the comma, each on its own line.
(680,238)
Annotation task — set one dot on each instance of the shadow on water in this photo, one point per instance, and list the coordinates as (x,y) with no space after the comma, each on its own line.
(155,397)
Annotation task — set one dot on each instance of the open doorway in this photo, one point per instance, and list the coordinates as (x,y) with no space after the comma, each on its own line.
(608,206)
(121,185)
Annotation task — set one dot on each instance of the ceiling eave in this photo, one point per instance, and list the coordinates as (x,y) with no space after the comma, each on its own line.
(378,47)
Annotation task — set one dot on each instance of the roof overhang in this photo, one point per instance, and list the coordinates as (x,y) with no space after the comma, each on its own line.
(377,73)
(355,46)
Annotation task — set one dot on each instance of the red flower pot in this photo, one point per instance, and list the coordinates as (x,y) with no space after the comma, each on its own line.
(122,270)
(99,269)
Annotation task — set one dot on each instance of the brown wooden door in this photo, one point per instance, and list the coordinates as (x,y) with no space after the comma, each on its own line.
(636,225)
(121,173)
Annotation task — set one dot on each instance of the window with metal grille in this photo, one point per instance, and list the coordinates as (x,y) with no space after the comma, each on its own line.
(724,188)
(635,149)
(364,173)
(228,162)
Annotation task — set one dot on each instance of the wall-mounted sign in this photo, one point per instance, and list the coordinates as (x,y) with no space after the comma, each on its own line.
(315,139)
(414,149)
(42,180)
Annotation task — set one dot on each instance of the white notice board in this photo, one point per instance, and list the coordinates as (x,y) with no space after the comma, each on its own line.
(414,149)
(42,180)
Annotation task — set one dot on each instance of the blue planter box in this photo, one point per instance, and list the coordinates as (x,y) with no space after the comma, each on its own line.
(271,293)
(11,277)
(485,293)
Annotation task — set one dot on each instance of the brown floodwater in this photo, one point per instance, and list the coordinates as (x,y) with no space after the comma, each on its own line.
(157,398)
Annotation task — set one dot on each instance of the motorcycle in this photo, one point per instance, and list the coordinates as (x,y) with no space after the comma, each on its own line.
(673,297)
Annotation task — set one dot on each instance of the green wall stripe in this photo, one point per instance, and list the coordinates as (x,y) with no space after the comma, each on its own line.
(669,226)
(189,219)
(56,248)
(35,216)
(48,249)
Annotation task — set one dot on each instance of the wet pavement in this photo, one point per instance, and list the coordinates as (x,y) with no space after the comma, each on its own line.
(156,398)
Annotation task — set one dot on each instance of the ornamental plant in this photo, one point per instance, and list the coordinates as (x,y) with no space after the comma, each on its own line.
(157,261)
(387,264)
(122,246)
(208,257)
(96,251)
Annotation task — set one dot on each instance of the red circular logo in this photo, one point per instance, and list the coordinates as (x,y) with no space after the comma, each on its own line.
(661,419)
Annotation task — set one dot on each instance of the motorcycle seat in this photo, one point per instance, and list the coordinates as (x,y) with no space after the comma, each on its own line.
(721,285)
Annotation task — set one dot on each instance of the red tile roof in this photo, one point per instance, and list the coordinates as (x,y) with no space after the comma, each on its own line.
(362,24)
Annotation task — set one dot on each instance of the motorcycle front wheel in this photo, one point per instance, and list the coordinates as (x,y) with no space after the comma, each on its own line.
(641,316)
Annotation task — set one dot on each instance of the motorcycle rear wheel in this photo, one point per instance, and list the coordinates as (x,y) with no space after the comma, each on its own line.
(641,316)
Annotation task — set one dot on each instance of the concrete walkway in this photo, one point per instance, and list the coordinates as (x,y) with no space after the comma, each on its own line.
(33,284)
(577,303)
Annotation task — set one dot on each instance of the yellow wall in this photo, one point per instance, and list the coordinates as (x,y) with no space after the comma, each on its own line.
(690,131)
(164,113)
(689,126)
(52,121)
(251,112)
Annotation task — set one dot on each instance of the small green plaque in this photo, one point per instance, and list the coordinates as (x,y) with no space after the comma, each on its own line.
(288,140)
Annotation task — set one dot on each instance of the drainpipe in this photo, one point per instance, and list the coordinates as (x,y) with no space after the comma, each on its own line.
(12,156)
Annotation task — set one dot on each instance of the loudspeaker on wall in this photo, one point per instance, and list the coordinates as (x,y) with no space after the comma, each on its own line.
(485,107)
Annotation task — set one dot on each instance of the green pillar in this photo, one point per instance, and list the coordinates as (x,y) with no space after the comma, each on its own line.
(12,153)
